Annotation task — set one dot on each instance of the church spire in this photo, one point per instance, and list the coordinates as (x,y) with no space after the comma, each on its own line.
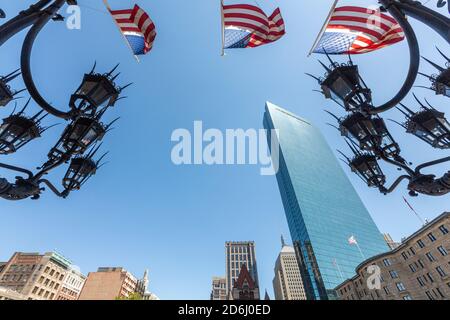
(283,243)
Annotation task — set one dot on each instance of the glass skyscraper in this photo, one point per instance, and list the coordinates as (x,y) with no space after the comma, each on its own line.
(322,208)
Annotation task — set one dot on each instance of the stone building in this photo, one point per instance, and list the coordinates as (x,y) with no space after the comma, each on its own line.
(287,283)
(418,269)
(219,288)
(38,276)
(109,284)
(245,287)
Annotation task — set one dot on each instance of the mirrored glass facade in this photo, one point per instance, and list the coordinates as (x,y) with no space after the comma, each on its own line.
(322,208)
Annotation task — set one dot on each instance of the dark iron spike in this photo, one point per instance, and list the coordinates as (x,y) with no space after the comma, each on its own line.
(94,151)
(354,150)
(430,104)
(114,69)
(417,99)
(406,108)
(328,56)
(344,155)
(11,76)
(434,64)
(332,125)
(93,68)
(37,115)
(400,124)
(112,122)
(314,77)
(334,116)
(326,68)
(102,157)
(49,127)
(115,77)
(26,105)
(126,86)
(425,75)
(17,92)
(442,54)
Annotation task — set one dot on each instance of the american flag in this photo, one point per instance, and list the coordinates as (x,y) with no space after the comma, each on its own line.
(356,30)
(247,26)
(352,240)
(137,27)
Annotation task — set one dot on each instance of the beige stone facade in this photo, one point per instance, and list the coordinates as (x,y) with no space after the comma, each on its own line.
(287,283)
(36,276)
(219,288)
(419,269)
(108,284)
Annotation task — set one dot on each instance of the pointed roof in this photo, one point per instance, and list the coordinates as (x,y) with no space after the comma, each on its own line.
(266,297)
(244,275)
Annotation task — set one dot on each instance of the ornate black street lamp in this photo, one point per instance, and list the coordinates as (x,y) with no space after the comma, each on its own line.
(428,124)
(440,83)
(365,128)
(88,104)
(6,93)
(17,130)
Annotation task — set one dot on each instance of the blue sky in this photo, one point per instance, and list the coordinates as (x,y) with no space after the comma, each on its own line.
(141,211)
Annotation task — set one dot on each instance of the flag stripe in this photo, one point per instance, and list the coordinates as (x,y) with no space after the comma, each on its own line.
(354,30)
(257,28)
(134,24)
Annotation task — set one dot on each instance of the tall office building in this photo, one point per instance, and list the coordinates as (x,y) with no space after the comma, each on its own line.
(238,254)
(322,208)
(287,283)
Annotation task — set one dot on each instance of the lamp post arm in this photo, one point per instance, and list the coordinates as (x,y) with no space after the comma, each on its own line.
(395,184)
(14,168)
(414,58)
(398,164)
(26,63)
(63,194)
(433,19)
(431,163)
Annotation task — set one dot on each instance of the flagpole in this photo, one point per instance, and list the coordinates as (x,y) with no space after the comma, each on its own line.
(339,269)
(415,212)
(324,28)
(360,251)
(126,40)
(223,27)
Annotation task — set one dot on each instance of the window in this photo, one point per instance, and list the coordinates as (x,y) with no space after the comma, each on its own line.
(420,243)
(394,274)
(420,262)
(400,286)
(441,271)
(46,269)
(443,229)
(442,250)
(421,282)
(404,256)
(440,293)
(430,257)
(35,290)
(430,277)
(386,289)
(413,268)
(430,297)
(386,262)
(412,250)
(52,272)
(407,297)
(431,237)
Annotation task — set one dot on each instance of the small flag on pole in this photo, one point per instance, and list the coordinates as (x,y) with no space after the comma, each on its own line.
(356,30)
(352,240)
(413,210)
(137,28)
(247,26)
